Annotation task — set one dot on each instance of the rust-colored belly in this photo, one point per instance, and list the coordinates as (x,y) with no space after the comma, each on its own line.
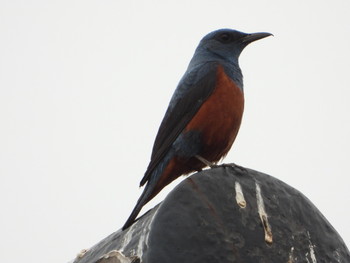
(219,118)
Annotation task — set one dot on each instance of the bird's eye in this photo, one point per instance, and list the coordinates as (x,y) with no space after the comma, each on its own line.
(224,37)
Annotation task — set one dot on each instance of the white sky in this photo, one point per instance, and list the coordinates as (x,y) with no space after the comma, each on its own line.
(85,84)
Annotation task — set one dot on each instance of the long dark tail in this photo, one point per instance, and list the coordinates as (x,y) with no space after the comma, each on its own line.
(151,189)
(144,198)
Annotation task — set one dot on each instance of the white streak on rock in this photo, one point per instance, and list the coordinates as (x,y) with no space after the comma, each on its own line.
(119,256)
(291,259)
(82,253)
(312,250)
(239,195)
(143,239)
(126,238)
(263,215)
(140,229)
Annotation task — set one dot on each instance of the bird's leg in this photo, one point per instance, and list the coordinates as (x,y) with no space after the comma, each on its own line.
(205,161)
(213,165)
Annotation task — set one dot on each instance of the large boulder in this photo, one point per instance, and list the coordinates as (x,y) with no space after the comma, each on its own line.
(226,214)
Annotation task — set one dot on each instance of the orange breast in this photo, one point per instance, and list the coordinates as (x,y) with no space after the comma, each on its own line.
(219,118)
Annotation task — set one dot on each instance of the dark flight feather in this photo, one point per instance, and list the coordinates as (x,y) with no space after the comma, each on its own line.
(180,115)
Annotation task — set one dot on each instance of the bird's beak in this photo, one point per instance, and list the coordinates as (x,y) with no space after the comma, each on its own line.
(249,38)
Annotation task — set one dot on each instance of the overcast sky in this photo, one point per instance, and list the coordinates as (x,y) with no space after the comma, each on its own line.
(85,84)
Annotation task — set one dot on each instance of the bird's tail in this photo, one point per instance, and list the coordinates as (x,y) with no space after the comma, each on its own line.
(144,198)
(152,188)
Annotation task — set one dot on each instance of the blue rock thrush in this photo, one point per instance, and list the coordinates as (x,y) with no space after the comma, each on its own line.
(204,114)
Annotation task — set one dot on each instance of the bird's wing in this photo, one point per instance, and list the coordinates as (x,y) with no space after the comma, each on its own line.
(178,116)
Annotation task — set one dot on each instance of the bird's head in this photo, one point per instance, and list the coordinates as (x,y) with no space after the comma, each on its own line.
(226,44)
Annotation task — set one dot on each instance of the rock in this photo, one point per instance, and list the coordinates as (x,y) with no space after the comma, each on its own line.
(226,214)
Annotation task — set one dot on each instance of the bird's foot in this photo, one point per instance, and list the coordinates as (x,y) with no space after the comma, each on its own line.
(213,165)
(205,161)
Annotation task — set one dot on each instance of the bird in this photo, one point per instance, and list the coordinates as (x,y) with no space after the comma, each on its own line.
(203,116)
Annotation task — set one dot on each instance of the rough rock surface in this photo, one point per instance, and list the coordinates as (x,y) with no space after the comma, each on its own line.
(226,214)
